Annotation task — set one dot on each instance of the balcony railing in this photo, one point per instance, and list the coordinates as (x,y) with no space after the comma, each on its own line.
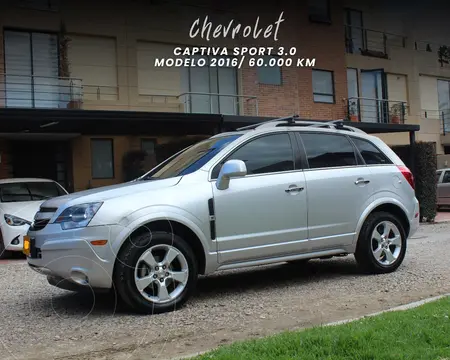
(376,110)
(30,91)
(215,103)
(371,42)
(442,51)
(24,91)
(442,115)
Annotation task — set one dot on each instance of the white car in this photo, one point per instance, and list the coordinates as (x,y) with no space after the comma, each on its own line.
(20,200)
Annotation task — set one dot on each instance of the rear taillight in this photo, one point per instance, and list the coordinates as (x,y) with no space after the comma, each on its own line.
(408,175)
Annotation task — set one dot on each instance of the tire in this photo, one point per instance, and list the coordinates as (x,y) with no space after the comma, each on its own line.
(148,301)
(365,252)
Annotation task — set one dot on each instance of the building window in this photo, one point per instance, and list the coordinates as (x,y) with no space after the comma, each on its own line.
(269,75)
(32,70)
(319,11)
(212,89)
(148,145)
(102,158)
(323,86)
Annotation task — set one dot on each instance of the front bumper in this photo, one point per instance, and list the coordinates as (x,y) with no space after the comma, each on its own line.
(13,236)
(69,257)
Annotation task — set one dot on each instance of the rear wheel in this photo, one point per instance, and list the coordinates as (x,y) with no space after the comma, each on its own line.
(155,272)
(382,244)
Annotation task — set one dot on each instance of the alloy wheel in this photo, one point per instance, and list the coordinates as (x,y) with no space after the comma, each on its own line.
(161,273)
(386,243)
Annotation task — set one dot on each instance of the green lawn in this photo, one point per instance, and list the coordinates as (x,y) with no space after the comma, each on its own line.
(420,333)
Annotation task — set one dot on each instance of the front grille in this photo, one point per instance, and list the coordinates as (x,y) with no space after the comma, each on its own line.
(42,218)
(39,224)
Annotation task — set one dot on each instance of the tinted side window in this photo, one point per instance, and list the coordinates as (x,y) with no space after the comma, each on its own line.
(267,154)
(438,175)
(370,154)
(446,178)
(328,150)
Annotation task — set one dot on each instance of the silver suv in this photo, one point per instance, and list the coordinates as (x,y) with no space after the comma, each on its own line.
(281,191)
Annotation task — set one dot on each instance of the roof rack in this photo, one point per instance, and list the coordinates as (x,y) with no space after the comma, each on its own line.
(296,121)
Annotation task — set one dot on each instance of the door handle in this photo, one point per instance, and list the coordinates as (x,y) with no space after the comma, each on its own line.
(361,181)
(294,188)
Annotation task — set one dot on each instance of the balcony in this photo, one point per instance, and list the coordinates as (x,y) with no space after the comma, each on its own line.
(443,116)
(20,91)
(28,91)
(376,110)
(441,52)
(216,103)
(371,42)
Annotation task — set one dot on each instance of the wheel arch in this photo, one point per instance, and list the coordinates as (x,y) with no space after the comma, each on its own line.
(177,227)
(392,207)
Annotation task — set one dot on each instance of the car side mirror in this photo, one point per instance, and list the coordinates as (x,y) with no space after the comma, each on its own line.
(232,168)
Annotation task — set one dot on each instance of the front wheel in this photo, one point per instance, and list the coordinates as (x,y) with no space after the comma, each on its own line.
(381,244)
(155,272)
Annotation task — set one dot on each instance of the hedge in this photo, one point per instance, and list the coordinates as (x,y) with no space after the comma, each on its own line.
(424,171)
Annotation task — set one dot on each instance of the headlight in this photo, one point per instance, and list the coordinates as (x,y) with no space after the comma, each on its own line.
(77,216)
(12,220)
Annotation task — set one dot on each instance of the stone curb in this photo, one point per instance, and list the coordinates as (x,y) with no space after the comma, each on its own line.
(335,323)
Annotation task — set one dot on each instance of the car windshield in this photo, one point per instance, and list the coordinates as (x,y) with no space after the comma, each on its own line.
(191,159)
(29,191)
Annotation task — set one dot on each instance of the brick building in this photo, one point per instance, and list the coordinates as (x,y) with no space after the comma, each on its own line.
(79,88)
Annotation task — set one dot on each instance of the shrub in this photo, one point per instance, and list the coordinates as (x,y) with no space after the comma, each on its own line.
(424,171)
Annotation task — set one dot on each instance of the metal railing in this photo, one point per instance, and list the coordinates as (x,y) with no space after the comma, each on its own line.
(376,110)
(216,103)
(371,42)
(441,51)
(442,115)
(32,91)
(100,92)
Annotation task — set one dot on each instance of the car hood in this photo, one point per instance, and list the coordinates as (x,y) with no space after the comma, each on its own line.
(22,209)
(108,192)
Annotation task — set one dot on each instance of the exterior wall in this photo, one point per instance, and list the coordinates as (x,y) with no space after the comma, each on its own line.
(5,161)
(112,52)
(418,68)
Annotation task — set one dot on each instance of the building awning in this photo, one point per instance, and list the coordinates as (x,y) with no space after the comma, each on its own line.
(96,122)
(124,122)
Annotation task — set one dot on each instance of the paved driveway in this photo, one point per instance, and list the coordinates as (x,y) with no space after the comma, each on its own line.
(42,322)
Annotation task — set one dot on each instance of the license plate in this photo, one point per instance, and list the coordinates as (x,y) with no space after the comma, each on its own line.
(26,245)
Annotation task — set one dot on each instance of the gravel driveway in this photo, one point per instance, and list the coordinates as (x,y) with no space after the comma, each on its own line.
(42,322)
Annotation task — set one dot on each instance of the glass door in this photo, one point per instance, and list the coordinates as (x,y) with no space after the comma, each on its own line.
(354,33)
(444,104)
(374,107)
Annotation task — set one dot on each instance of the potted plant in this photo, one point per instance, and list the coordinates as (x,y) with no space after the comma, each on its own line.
(353,111)
(71,100)
(396,113)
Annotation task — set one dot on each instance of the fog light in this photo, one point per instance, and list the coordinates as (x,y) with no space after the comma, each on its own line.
(15,241)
